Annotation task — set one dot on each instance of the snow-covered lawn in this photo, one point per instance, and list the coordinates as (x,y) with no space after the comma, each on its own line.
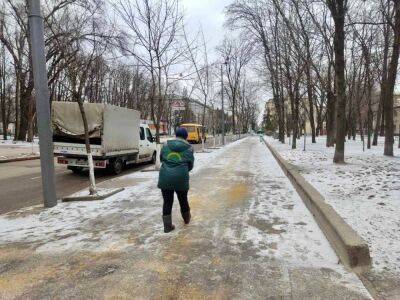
(10,148)
(19,144)
(365,192)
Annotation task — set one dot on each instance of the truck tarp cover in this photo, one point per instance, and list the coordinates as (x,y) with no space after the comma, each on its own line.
(67,119)
(117,127)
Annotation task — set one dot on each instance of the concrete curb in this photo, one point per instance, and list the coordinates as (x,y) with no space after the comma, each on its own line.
(13,159)
(100,196)
(351,249)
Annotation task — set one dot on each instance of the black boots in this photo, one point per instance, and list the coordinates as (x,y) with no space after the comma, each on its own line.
(168,226)
(186,216)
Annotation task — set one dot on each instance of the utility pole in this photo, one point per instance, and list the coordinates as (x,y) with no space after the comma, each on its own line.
(42,95)
(223,110)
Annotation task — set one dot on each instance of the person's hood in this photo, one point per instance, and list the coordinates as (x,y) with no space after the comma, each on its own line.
(178,145)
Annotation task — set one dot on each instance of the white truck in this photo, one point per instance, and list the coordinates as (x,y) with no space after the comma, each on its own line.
(116,136)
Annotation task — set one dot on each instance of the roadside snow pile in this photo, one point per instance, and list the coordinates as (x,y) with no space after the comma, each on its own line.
(95,225)
(17,144)
(365,192)
(14,149)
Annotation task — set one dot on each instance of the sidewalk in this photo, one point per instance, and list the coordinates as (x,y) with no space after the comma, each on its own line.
(251,238)
(13,151)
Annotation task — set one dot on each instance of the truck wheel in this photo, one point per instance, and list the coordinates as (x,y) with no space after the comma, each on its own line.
(75,170)
(154,158)
(117,166)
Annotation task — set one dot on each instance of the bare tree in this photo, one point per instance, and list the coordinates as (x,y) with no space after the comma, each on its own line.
(390,81)
(237,55)
(87,52)
(14,36)
(256,20)
(5,93)
(154,41)
(338,10)
(198,57)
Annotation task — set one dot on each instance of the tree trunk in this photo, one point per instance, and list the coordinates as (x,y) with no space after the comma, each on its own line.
(23,119)
(369,95)
(295,121)
(157,125)
(92,188)
(17,112)
(320,124)
(382,127)
(390,83)
(378,122)
(369,127)
(330,119)
(233,114)
(349,127)
(379,126)
(338,16)
(281,125)
(4,117)
(310,101)
(281,117)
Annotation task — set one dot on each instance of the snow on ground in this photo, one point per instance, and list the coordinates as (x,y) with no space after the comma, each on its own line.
(293,234)
(10,148)
(62,227)
(277,208)
(244,209)
(17,144)
(365,192)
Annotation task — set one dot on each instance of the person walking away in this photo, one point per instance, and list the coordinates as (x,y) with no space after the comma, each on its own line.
(176,162)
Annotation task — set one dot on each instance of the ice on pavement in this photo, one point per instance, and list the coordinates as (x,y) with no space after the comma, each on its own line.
(247,221)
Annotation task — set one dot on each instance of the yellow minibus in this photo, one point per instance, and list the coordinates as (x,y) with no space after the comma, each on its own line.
(195,132)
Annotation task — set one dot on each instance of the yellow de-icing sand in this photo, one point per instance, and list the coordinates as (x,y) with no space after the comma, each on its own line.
(237,193)
(35,270)
(17,283)
(205,203)
(207,200)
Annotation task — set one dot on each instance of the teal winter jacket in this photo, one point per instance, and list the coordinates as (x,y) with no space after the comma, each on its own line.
(177,160)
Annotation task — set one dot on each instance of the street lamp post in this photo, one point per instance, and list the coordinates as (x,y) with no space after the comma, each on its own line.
(42,103)
(222,99)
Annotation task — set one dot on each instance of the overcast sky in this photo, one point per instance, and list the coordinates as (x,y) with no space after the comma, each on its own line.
(208,13)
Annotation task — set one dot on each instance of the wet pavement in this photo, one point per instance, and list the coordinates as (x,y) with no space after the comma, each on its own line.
(251,237)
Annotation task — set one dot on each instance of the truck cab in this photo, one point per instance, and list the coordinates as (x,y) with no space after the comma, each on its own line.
(147,145)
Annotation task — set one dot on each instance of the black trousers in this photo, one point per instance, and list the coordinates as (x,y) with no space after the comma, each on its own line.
(168,196)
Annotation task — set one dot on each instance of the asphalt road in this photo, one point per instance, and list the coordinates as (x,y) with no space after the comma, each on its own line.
(20,182)
(21,186)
